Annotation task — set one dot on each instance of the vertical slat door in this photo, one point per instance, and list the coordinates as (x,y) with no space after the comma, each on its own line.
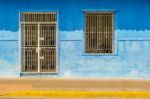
(29,34)
(30,60)
(38,42)
(48,47)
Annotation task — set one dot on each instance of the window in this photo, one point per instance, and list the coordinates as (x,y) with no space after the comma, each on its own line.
(99,35)
(38,42)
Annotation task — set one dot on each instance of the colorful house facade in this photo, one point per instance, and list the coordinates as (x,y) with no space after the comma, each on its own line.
(75,38)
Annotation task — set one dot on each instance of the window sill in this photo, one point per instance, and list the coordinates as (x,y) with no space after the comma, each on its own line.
(98,54)
(37,73)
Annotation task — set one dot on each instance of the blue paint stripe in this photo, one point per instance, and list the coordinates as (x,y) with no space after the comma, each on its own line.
(9,40)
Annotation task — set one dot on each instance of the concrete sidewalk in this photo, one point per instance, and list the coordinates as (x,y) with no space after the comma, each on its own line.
(15,84)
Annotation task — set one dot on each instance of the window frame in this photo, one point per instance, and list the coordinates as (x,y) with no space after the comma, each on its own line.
(114,41)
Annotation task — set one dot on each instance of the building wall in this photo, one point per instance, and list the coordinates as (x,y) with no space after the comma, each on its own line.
(132,37)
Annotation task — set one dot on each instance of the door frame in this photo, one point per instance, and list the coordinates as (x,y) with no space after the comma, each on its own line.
(57,46)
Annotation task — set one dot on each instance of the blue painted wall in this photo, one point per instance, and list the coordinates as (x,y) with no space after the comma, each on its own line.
(132,37)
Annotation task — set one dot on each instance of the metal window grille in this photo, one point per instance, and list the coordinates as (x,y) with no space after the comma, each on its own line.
(99,33)
(38,42)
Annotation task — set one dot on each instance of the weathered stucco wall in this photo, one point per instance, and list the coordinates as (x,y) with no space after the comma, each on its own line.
(130,60)
(132,37)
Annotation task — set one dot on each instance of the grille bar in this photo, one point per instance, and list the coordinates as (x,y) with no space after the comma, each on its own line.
(48,35)
(48,59)
(38,17)
(29,35)
(29,60)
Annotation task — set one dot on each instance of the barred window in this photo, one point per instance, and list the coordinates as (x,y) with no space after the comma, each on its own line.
(38,41)
(99,34)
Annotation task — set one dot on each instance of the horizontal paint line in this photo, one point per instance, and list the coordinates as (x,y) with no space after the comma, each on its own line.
(134,40)
(107,55)
(79,94)
(9,40)
(70,40)
(18,40)
(37,73)
(81,40)
(39,11)
(100,10)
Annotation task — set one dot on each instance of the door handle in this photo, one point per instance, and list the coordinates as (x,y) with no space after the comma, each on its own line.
(42,57)
(38,50)
(42,38)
